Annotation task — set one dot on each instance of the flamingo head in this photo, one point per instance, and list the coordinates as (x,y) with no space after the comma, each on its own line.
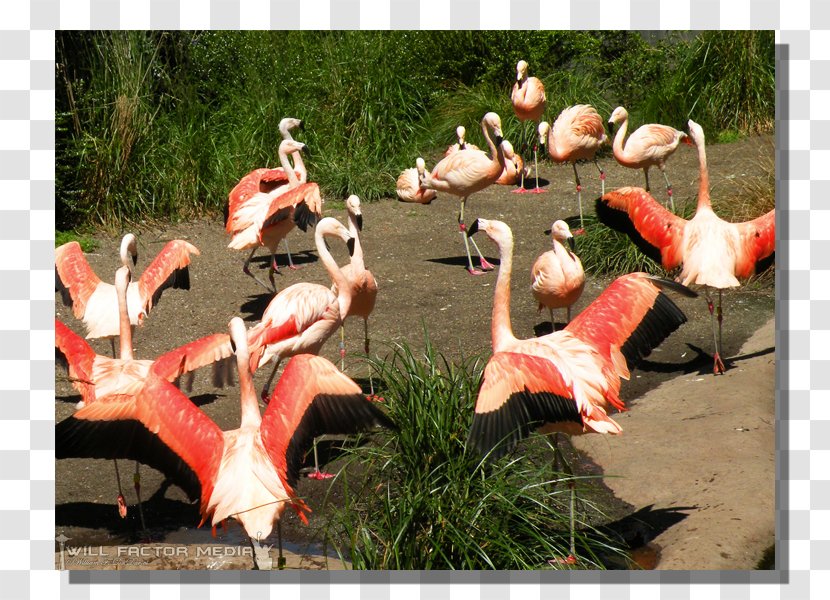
(619,115)
(521,70)
(509,152)
(239,339)
(543,131)
(289,146)
(493,121)
(461,132)
(560,232)
(331,227)
(421,165)
(353,206)
(497,231)
(287,124)
(696,133)
(129,250)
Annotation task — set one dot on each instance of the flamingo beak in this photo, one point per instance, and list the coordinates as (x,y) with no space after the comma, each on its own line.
(572,243)
(610,127)
(472,229)
(359,219)
(547,231)
(350,246)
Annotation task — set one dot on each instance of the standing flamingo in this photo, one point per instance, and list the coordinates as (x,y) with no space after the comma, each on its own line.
(713,253)
(109,386)
(567,380)
(96,302)
(464,173)
(249,473)
(263,218)
(528,97)
(462,144)
(649,146)
(303,316)
(557,278)
(514,166)
(409,188)
(364,287)
(576,134)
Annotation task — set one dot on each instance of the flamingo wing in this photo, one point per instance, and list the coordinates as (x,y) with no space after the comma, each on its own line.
(653,142)
(757,245)
(578,125)
(630,318)
(462,169)
(306,203)
(313,398)
(656,231)
(168,269)
(519,392)
(78,356)
(211,349)
(74,278)
(243,191)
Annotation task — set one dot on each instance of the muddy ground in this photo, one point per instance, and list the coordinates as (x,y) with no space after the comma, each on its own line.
(417,257)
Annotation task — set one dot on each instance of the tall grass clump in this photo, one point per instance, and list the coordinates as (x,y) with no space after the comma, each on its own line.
(421,500)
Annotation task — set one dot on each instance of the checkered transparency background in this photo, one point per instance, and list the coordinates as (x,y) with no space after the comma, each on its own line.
(27,204)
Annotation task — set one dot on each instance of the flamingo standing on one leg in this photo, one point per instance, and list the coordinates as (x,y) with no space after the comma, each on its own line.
(409,188)
(514,166)
(576,134)
(249,473)
(262,218)
(712,252)
(567,380)
(464,173)
(557,278)
(462,144)
(364,287)
(648,146)
(96,302)
(528,97)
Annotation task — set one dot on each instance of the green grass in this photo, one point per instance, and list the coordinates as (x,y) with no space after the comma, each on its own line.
(421,500)
(64,237)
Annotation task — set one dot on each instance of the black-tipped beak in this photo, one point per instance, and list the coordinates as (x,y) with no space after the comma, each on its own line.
(472,229)
(359,219)
(610,128)
(547,231)
(135,259)
(302,126)
(572,243)
(499,140)
(350,246)
(233,346)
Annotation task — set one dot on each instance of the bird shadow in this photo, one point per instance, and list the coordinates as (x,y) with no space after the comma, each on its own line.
(74,399)
(255,305)
(300,258)
(530,183)
(701,363)
(460,261)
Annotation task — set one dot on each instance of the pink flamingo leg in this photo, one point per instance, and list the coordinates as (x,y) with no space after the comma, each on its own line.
(537,189)
(247,271)
(719,367)
(463,229)
(578,195)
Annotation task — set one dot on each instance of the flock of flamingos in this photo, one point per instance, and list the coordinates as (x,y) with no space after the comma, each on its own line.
(566,381)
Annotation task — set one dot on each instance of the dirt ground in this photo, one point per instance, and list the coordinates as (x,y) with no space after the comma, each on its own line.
(687,431)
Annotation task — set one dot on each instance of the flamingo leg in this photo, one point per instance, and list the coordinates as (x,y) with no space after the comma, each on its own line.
(343,346)
(318,474)
(137,485)
(485,264)
(601,176)
(291,264)
(247,271)
(537,190)
(645,170)
(668,188)
(366,350)
(120,500)
(719,367)
(463,229)
(559,459)
(552,324)
(578,194)
(112,346)
(268,383)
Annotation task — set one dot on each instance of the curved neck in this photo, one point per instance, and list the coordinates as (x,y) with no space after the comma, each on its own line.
(334,272)
(299,165)
(703,199)
(494,152)
(125,333)
(357,256)
(501,329)
(619,138)
(289,170)
(249,407)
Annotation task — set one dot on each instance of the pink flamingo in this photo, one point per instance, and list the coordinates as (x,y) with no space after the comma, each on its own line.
(364,287)
(576,134)
(649,146)
(263,218)
(462,144)
(409,188)
(565,381)
(528,98)
(96,302)
(464,173)
(249,474)
(557,278)
(713,253)
(514,167)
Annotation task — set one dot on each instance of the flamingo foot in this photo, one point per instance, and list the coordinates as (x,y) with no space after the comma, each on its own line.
(474,271)
(486,265)
(294,267)
(537,190)
(264,395)
(569,560)
(122,506)
(719,368)
(320,475)
(519,190)
(580,231)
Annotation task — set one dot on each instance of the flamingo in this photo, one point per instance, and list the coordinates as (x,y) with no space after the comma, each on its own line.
(557,278)
(713,253)
(303,316)
(249,474)
(514,168)
(649,146)
(264,218)
(464,173)
(462,144)
(576,134)
(409,188)
(96,303)
(364,287)
(565,381)
(109,386)
(528,98)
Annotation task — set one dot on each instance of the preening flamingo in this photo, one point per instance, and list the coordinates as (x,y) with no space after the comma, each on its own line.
(557,278)
(462,143)
(263,218)
(514,167)
(96,302)
(409,187)
(303,316)
(364,287)
(713,253)
(648,146)
(567,380)
(464,173)
(109,386)
(249,474)
(576,134)
(528,97)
